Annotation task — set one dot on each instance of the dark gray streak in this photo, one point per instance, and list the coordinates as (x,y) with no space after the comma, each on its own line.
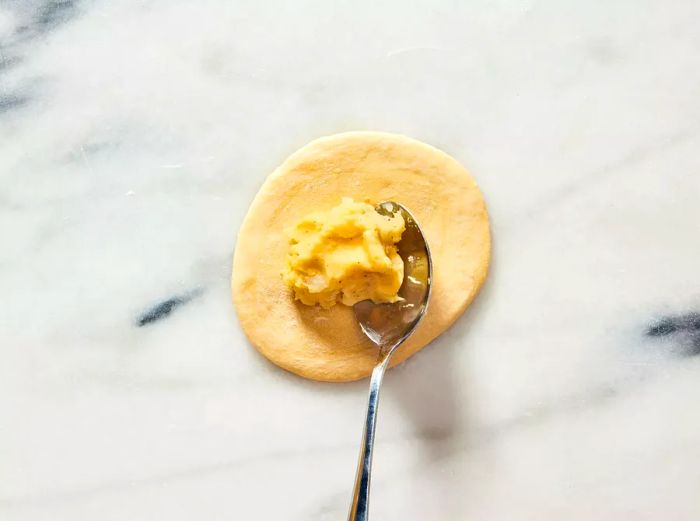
(682,330)
(55,12)
(12,101)
(42,15)
(165,308)
(37,17)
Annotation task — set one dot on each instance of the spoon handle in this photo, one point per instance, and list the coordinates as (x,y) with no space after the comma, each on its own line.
(359,510)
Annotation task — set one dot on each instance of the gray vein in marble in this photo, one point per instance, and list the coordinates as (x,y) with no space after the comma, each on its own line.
(6,62)
(184,474)
(37,18)
(41,15)
(682,332)
(12,101)
(443,439)
(164,308)
(589,180)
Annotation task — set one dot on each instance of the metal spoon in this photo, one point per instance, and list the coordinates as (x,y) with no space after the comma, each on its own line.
(388,326)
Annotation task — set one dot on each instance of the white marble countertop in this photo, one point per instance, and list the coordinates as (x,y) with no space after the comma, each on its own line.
(133,136)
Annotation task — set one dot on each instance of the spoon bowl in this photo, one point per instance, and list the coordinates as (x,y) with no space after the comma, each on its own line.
(388,325)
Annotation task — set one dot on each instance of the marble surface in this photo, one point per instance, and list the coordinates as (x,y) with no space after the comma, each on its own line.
(133,136)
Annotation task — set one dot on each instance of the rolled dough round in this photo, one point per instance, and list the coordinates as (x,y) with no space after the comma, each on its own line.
(327,344)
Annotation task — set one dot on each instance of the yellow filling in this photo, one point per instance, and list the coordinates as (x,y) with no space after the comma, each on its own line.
(345,254)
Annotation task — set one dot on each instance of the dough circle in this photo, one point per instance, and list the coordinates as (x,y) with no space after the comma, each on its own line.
(327,344)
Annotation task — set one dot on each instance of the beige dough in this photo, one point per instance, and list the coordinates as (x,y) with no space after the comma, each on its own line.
(327,344)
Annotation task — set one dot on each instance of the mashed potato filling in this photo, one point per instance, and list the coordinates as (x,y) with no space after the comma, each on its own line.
(346,254)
